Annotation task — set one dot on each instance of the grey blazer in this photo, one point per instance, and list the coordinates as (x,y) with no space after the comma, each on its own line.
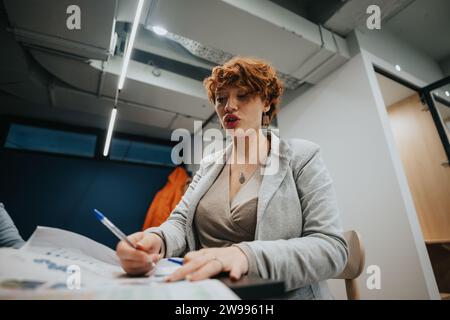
(298,237)
(9,235)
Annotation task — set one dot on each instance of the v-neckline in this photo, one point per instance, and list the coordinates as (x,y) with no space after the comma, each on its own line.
(228,180)
(229,201)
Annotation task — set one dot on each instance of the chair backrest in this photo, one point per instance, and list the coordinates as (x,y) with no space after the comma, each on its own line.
(355,264)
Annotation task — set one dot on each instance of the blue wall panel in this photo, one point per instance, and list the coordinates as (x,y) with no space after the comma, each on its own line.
(57,191)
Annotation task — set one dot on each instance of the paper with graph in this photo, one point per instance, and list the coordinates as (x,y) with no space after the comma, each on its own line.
(58,264)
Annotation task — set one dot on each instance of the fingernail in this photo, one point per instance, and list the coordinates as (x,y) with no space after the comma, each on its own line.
(188,277)
(150,261)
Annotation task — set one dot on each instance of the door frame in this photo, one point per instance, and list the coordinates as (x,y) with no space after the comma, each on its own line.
(425,98)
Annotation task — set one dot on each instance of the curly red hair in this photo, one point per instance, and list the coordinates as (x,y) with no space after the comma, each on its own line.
(252,74)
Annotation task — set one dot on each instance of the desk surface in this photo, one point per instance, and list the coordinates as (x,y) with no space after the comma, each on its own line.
(254,287)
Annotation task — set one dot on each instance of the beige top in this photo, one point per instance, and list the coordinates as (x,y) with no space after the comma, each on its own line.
(221,223)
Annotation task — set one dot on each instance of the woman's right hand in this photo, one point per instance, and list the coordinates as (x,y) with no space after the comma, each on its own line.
(141,260)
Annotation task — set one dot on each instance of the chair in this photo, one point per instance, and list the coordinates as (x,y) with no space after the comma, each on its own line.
(355,264)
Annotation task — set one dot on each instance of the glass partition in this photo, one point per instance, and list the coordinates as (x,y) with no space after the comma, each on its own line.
(437,96)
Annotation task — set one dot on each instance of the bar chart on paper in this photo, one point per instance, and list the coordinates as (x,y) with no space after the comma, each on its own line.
(42,267)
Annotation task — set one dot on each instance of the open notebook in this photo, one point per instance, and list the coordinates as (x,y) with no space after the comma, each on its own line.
(59,264)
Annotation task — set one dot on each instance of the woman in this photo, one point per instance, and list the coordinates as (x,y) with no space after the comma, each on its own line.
(239,218)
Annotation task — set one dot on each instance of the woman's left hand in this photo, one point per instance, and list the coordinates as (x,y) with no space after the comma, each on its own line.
(206,263)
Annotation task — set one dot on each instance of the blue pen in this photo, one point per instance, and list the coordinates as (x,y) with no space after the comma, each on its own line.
(177,261)
(116,231)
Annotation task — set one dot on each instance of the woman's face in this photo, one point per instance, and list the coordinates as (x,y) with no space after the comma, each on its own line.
(239,109)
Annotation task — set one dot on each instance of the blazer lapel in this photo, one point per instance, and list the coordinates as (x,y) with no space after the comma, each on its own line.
(272,178)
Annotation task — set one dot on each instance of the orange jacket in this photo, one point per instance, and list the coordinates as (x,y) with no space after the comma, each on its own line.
(166,199)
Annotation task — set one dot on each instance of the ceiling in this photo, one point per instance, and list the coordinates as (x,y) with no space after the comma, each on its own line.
(51,72)
(353,14)
(60,72)
(315,11)
(422,23)
(426,25)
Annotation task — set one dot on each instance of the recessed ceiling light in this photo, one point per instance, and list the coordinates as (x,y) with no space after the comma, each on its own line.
(447,93)
(397,67)
(159,30)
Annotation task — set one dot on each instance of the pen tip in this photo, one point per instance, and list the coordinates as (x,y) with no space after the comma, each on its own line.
(98,214)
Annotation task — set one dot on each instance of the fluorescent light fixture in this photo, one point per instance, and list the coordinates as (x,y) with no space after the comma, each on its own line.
(112,121)
(113,40)
(159,30)
(447,93)
(397,67)
(126,58)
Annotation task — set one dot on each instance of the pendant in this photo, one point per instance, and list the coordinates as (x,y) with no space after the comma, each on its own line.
(241,178)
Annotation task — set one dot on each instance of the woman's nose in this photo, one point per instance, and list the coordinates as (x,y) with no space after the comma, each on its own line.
(231,105)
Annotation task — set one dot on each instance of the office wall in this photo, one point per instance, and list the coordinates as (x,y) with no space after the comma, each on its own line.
(55,191)
(342,115)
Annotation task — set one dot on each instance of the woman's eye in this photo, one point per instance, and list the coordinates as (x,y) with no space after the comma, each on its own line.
(242,96)
(220,99)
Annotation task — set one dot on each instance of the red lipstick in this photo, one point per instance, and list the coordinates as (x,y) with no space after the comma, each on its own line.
(231,121)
